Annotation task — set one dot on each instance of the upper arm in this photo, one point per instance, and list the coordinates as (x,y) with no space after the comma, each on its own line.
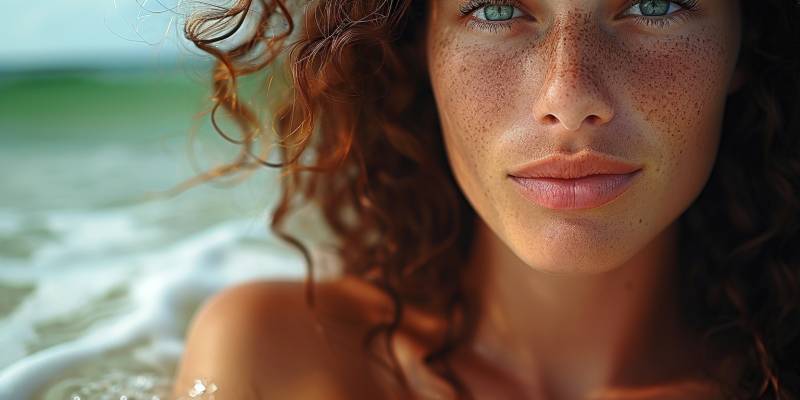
(257,341)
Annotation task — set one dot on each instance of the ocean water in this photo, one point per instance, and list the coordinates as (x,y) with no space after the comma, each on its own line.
(99,277)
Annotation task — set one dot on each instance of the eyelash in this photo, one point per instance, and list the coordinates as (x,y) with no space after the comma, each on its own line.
(688,7)
(471,6)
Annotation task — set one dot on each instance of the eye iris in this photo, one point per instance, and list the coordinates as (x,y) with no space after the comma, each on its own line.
(498,13)
(654,8)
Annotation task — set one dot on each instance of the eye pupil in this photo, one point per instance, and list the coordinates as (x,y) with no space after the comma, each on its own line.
(654,8)
(498,13)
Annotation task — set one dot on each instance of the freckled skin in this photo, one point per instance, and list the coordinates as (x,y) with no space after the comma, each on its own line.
(578,77)
(602,324)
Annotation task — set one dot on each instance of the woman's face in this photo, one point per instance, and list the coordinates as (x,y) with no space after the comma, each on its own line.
(518,81)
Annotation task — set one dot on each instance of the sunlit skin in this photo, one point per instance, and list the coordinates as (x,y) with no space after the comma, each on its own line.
(576,304)
(579,302)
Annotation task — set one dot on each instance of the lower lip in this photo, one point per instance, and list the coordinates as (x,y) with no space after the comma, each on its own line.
(572,194)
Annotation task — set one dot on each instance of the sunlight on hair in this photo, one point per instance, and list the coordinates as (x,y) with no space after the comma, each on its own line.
(143,21)
(159,23)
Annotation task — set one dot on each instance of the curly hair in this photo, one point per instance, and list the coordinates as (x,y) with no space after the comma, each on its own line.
(359,106)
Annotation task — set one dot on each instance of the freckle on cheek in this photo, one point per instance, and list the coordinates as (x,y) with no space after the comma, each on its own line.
(671,80)
(478,87)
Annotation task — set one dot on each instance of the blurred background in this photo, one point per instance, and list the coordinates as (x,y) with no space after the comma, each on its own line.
(99,271)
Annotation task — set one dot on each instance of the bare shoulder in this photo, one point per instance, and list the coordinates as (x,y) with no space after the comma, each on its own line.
(262,340)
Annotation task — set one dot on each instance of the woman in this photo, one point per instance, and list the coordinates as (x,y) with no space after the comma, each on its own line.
(532,199)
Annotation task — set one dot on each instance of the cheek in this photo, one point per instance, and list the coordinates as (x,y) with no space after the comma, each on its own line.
(474,88)
(476,85)
(678,91)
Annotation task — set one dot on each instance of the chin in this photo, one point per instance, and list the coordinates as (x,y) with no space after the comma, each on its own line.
(576,253)
(569,266)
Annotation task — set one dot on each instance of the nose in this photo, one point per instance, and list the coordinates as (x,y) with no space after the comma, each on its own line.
(571,92)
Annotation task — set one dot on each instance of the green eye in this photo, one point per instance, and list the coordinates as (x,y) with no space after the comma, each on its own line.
(661,13)
(498,13)
(654,8)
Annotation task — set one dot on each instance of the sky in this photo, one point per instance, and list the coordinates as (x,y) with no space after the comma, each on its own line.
(91,33)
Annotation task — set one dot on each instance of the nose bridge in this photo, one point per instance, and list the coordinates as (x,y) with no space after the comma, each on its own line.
(570,47)
(572,91)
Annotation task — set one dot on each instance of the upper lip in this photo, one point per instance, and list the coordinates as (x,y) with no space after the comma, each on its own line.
(583,164)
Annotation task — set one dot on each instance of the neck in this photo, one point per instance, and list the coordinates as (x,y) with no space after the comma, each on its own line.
(594,331)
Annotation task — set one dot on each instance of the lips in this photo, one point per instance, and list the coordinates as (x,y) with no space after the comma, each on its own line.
(587,180)
(561,166)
